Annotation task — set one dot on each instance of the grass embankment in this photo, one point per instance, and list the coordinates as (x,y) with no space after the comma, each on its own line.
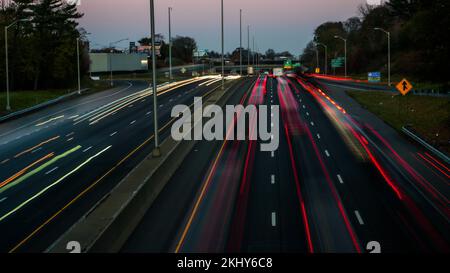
(429,116)
(28,98)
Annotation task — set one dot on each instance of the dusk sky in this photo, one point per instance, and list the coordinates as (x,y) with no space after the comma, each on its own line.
(278,24)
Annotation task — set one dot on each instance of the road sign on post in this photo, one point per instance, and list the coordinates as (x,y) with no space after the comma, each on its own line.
(338,62)
(404,87)
(374,77)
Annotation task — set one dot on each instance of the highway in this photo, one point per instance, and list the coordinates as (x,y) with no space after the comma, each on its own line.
(335,185)
(56,164)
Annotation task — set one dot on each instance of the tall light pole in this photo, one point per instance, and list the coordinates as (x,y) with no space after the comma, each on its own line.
(345,44)
(78,66)
(240,39)
(389,52)
(248,47)
(110,59)
(223,51)
(8,105)
(326,56)
(317,58)
(170,44)
(156,150)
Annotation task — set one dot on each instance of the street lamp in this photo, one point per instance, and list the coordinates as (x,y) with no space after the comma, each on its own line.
(8,105)
(223,49)
(78,65)
(110,58)
(389,52)
(248,48)
(326,56)
(240,40)
(170,43)
(345,43)
(156,150)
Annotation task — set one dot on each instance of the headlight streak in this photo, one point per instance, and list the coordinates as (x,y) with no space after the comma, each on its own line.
(37,170)
(21,172)
(37,146)
(50,120)
(53,184)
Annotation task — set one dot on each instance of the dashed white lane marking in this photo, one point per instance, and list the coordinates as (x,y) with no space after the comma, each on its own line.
(161,105)
(340,179)
(307,113)
(327,153)
(37,150)
(272,179)
(170,100)
(271,125)
(274,219)
(318,136)
(87,149)
(148,113)
(113,134)
(304,107)
(52,170)
(131,105)
(312,123)
(133,122)
(143,100)
(70,134)
(70,139)
(3,199)
(358,217)
(272,154)
(4,161)
(73,117)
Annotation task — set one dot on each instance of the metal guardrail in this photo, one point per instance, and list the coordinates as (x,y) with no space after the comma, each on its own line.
(435,151)
(40,106)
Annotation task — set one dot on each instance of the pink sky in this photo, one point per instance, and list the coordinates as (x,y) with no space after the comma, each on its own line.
(277,24)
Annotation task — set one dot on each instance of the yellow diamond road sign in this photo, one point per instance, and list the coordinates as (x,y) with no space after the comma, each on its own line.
(404,87)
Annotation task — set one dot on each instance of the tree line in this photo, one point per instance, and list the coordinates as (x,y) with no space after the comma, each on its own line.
(419,32)
(42,44)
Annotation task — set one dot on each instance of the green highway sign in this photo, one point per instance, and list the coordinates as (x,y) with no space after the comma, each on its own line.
(338,62)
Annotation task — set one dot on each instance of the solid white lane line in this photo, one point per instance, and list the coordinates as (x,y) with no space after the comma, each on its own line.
(318,136)
(52,170)
(87,149)
(340,179)
(133,122)
(113,134)
(327,153)
(3,199)
(358,216)
(272,179)
(274,219)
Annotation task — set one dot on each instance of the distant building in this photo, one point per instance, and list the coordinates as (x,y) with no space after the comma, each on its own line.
(119,62)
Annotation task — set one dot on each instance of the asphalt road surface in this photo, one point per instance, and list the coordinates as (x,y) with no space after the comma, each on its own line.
(56,164)
(334,185)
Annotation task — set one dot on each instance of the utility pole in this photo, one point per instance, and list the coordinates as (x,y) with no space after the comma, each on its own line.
(156,150)
(170,44)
